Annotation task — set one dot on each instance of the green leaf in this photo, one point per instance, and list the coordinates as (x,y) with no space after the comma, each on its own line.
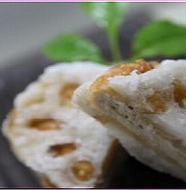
(72,47)
(108,15)
(160,38)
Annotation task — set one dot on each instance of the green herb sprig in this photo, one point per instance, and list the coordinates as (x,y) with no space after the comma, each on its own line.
(109,17)
(73,47)
(159,38)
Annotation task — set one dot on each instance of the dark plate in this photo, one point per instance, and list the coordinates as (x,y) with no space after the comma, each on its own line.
(127,172)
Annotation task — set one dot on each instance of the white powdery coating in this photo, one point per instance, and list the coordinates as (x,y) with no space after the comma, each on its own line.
(77,72)
(136,86)
(80,98)
(144,154)
(155,79)
(32,145)
(136,89)
(174,122)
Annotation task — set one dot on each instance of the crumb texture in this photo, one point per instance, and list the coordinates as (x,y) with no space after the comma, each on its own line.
(144,106)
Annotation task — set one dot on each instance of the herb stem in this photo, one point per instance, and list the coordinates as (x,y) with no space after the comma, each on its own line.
(113,36)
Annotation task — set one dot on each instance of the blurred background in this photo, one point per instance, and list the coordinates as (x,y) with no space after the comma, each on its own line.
(24,27)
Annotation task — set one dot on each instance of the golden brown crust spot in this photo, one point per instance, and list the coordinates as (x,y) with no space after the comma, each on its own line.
(44,124)
(83,170)
(179,93)
(46,183)
(62,149)
(157,102)
(140,66)
(67,91)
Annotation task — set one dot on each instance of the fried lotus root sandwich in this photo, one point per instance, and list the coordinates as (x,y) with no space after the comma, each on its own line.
(52,136)
(144,106)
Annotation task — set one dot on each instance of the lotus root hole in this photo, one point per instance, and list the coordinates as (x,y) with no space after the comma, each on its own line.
(83,170)
(62,149)
(179,93)
(44,124)
(67,91)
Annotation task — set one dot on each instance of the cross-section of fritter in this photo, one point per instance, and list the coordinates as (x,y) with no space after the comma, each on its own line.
(52,136)
(144,106)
